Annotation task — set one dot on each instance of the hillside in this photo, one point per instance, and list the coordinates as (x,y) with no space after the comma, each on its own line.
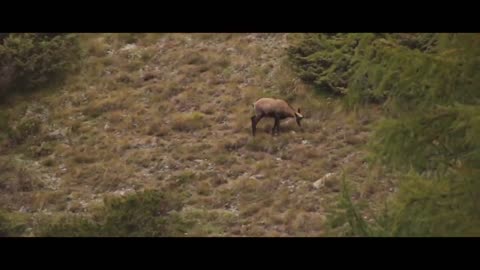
(171,112)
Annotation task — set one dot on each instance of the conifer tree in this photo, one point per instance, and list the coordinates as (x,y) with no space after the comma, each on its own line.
(430,88)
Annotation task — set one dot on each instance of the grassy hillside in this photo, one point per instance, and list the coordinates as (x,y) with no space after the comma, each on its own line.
(171,113)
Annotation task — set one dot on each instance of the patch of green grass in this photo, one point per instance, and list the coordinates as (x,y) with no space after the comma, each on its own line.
(203,222)
(98,108)
(187,122)
(185,177)
(12,224)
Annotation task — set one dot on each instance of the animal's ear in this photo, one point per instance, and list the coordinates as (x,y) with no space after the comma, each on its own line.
(299,110)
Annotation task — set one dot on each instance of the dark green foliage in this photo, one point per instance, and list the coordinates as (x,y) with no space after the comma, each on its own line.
(28,61)
(325,60)
(354,64)
(429,86)
(145,214)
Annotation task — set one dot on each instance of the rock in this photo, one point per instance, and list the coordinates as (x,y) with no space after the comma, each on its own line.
(144,143)
(320,183)
(128,47)
(305,142)
(123,191)
(257,176)
(57,134)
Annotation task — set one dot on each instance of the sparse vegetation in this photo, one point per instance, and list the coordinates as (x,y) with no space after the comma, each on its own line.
(146,113)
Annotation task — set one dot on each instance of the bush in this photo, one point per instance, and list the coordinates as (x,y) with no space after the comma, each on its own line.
(30,60)
(324,60)
(145,214)
(429,138)
(355,64)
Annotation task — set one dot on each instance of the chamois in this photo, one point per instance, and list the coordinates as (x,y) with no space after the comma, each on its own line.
(273,108)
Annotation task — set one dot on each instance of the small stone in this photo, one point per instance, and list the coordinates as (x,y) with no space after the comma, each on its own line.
(128,47)
(57,134)
(257,176)
(321,182)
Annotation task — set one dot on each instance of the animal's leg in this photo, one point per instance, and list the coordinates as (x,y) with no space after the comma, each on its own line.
(255,120)
(276,125)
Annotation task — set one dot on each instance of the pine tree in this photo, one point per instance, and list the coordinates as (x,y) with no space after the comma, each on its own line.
(430,88)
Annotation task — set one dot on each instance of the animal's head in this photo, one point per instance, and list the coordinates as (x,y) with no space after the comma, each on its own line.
(298,117)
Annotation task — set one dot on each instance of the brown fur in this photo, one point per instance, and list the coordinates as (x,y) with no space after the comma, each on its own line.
(274,108)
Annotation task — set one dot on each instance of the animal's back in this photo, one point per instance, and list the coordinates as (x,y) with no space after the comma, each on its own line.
(269,105)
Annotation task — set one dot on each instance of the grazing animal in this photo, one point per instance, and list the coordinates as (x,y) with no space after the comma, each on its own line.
(274,108)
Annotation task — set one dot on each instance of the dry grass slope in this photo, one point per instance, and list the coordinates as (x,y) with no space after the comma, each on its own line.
(171,112)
